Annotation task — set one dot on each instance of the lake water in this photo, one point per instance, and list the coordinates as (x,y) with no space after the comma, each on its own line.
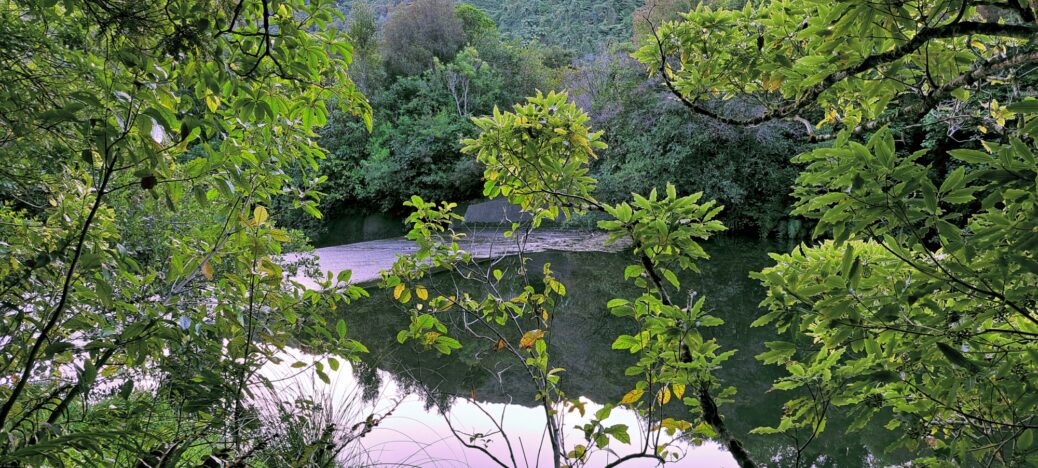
(475,379)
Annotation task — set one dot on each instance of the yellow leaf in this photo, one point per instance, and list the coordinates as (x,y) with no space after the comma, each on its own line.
(500,345)
(212,102)
(632,396)
(260,215)
(679,390)
(279,235)
(530,337)
(207,271)
(578,406)
(430,337)
(544,315)
(979,45)
(663,396)
(831,116)
(674,424)
(772,83)
(398,290)
(422,293)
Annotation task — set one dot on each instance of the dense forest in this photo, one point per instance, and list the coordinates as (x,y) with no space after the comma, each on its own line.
(428,67)
(805,230)
(580,26)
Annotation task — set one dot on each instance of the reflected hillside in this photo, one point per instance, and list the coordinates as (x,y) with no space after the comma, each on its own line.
(584,331)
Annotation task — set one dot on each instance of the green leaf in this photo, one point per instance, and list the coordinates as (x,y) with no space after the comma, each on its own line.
(1027,106)
(627,342)
(779,351)
(955,357)
(848,260)
(126,389)
(854,273)
(949,233)
(971,156)
(340,328)
(57,347)
(671,277)
(1025,440)
(619,432)
(954,180)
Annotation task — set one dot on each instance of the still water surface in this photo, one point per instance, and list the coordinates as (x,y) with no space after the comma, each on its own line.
(476,379)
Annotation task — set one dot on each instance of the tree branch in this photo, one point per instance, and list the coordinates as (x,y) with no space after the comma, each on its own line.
(980,71)
(30,359)
(803,101)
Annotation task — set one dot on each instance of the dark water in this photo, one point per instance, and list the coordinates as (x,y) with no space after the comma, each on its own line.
(349,229)
(583,332)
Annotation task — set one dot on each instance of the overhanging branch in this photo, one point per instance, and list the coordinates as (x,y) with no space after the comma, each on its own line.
(978,72)
(792,109)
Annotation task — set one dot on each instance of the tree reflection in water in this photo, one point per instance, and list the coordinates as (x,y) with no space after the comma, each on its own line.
(582,345)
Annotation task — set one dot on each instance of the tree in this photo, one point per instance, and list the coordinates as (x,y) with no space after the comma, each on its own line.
(143,145)
(459,75)
(537,157)
(919,308)
(362,30)
(658,11)
(745,168)
(476,24)
(582,26)
(418,32)
(414,147)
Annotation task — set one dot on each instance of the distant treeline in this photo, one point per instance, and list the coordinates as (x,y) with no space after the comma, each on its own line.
(428,66)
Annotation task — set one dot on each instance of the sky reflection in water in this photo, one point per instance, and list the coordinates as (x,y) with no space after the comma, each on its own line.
(417,434)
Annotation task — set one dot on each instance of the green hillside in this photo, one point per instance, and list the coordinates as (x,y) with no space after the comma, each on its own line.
(580,25)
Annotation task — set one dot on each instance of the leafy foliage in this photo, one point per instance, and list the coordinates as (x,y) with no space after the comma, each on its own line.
(418,32)
(143,146)
(928,316)
(746,169)
(367,68)
(538,157)
(580,25)
(537,154)
(815,53)
(920,310)
(420,119)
